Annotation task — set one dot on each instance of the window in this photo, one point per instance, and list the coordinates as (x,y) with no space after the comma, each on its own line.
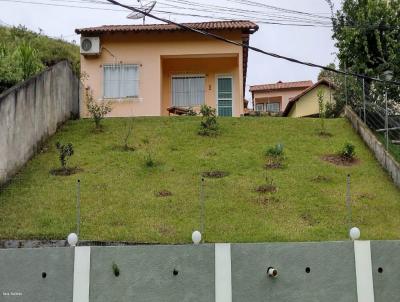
(260,107)
(273,107)
(121,81)
(188,91)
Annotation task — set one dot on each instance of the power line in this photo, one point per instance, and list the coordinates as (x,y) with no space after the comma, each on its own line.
(220,38)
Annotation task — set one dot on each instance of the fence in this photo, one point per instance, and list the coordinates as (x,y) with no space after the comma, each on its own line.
(31,112)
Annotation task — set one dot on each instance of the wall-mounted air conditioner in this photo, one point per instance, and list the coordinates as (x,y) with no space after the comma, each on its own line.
(90,45)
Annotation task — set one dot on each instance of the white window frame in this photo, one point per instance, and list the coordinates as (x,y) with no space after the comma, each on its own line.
(260,104)
(200,75)
(279,107)
(120,97)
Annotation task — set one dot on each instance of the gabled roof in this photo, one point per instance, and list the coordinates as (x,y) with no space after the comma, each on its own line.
(246,26)
(282,85)
(303,93)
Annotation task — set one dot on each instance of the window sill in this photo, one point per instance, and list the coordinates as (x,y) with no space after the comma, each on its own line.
(123,100)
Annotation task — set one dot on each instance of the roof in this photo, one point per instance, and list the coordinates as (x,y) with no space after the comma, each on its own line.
(303,93)
(246,26)
(282,85)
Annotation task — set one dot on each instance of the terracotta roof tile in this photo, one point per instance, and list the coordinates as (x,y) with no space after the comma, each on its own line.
(282,85)
(216,25)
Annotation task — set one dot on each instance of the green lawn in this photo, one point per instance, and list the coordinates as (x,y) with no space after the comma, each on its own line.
(119,193)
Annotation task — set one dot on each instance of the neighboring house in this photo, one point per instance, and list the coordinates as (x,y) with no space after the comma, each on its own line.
(306,104)
(275,97)
(146,69)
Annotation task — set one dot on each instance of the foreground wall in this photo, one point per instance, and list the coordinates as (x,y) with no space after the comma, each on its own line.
(385,158)
(360,271)
(30,113)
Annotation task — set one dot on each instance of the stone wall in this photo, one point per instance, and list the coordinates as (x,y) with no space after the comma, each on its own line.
(348,271)
(31,112)
(385,159)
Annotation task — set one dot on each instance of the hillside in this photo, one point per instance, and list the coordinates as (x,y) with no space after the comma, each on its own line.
(120,194)
(22,47)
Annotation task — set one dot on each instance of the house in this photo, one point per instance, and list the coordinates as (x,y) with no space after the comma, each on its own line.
(306,104)
(143,70)
(275,97)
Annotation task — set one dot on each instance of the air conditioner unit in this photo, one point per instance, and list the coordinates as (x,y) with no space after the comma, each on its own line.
(90,45)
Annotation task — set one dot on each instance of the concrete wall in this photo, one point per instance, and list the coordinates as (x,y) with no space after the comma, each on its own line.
(385,159)
(150,50)
(360,271)
(30,113)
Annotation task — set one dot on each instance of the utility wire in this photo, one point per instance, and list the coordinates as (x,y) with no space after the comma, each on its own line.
(220,38)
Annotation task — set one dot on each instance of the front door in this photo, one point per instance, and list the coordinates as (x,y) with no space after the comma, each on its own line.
(224,95)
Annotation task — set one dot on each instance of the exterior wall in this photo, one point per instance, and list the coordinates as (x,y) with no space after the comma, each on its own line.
(286,95)
(308,105)
(147,50)
(324,271)
(385,159)
(31,112)
(211,68)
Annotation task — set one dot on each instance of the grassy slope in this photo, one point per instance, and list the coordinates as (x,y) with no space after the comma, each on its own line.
(118,191)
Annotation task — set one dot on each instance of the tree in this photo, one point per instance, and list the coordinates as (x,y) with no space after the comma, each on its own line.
(367,36)
(96,110)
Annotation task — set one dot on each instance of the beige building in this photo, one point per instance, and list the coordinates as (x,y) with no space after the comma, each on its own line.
(144,70)
(306,104)
(275,97)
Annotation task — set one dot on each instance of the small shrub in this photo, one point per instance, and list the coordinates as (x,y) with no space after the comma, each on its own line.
(96,110)
(275,151)
(64,151)
(148,158)
(348,151)
(208,125)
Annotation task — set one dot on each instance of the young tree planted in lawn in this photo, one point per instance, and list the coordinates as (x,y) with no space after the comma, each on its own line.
(209,125)
(322,110)
(96,110)
(348,152)
(64,151)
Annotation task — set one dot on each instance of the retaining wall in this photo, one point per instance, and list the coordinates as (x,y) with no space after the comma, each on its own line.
(360,271)
(386,160)
(31,112)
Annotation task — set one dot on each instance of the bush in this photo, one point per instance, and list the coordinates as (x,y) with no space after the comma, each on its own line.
(208,125)
(348,152)
(64,151)
(275,151)
(96,110)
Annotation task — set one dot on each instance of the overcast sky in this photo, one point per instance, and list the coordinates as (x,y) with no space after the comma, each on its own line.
(312,44)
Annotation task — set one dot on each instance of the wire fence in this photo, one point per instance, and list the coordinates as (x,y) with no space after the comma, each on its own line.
(378,106)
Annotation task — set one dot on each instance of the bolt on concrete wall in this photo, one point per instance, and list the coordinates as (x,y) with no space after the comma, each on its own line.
(31,112)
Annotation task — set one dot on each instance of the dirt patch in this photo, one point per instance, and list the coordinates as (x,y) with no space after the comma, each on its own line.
(215,174)
(271,165)
(340,160)
(321,178)
(163,193)
(264,189)
(267,200)
(65,171)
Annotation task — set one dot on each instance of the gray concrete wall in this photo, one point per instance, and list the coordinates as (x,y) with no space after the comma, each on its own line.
(338,271)
(32,111)
(385,159)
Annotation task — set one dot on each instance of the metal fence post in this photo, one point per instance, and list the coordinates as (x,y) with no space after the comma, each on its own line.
(386,120)
(202,209)
(348,202)
(364,104)
(78,206)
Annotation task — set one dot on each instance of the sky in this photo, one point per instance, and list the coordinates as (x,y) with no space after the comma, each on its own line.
(311,44)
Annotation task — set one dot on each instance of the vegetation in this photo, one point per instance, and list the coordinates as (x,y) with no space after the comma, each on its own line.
(24,53)
(65,151)
(97,110)
(275,151)
(118,200)
(209,124)
(348,151)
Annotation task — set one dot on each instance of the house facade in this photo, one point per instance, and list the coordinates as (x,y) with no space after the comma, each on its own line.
(143,70)
(306,104)
(275,97)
